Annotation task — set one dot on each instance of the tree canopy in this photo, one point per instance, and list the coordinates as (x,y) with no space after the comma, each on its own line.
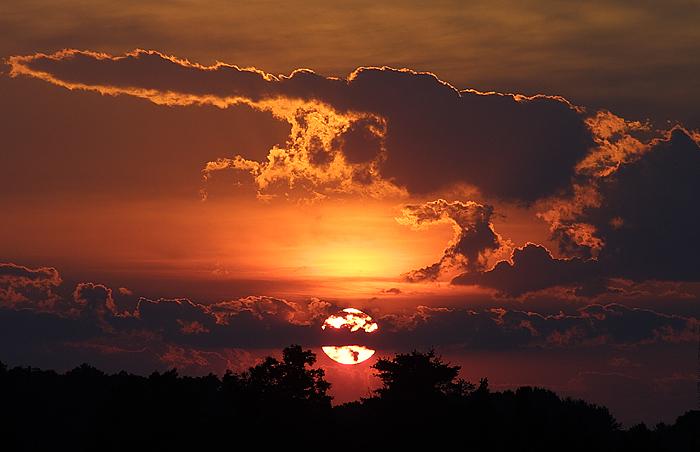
(287,401)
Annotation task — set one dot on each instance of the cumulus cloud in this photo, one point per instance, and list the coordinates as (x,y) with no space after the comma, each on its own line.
(95,298)
(612,190)
(21,286)
(475,238)
(380,131)
(639,217)
(533,268)
(630,215)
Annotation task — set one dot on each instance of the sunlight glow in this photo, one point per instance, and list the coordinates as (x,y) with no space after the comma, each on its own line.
(348,354)
(353,320)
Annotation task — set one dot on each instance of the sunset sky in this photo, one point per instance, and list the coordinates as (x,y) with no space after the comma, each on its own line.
(196,184)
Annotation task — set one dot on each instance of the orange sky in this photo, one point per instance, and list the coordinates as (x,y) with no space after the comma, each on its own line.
(511,182)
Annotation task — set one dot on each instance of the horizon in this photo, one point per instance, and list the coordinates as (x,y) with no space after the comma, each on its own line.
(196,185)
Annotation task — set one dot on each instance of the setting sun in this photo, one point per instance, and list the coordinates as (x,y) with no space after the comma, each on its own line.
(353,320)
(348,354)
(303,217)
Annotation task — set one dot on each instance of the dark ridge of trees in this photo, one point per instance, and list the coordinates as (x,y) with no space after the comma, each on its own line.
(285,403)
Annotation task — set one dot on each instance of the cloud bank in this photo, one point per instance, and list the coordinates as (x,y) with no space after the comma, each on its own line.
(379,131)
(199,335)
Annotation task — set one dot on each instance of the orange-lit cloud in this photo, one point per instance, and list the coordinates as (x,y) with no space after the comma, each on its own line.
(379,132)
(475,239)
(385,132)
(617,143)
(310,164)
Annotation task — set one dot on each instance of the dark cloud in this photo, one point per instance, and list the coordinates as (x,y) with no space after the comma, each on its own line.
(632,216)
(401,126)
(250,322)
(533,268)
(19,274)
(498,328)
(638,217)
(21,286)
(362,141)
(648,217)
(439,136)
(474,238)
(28,335)
(95,298)
(172,330)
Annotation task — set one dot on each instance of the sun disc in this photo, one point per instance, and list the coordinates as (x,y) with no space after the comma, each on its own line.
(355,321)
(348,354)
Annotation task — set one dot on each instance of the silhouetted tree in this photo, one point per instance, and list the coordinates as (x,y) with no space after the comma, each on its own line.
(290,378)
(423,397)
(419,377)
(288,391)
(421,400)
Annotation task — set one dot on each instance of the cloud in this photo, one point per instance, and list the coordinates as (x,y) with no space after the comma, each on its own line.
(95,298)
(396,132)
(249,322)
(261,308)
(19,274)
(618,141)
(638,217)
(21,286)
(649,217)
(185,333)
(631,216)
(498,328)
(475,238)
(379,132)
(533,268)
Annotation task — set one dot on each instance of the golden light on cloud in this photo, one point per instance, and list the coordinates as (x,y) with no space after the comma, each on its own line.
(355,321)
(289,170)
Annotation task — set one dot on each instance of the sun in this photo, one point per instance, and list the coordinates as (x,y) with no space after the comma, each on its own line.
(355,321)
(348,354)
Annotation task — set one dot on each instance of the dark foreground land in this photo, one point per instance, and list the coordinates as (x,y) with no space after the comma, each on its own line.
(283,403)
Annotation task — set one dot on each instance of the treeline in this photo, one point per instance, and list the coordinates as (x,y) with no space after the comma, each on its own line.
(285,402)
